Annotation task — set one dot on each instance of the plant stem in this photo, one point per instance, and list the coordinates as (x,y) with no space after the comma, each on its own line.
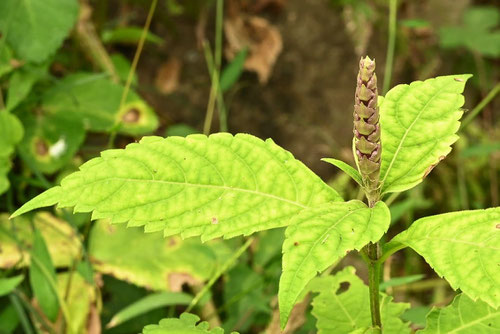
(393,6)
(372,253)
(373,284)
(225,267)
(21,314)
(491,95)
(138,52)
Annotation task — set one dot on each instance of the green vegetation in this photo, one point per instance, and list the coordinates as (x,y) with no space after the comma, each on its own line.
(149,226)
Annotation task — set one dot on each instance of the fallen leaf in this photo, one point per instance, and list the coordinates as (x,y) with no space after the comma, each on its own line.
(262,39)
(167,79)
(177,280)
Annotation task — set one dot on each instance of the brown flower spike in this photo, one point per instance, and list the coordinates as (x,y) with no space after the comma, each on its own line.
(366,124)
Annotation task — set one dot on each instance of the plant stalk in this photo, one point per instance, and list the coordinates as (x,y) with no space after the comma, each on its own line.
(372,251)
(393,6)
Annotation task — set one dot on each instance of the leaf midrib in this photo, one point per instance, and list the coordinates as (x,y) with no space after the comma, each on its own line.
(209,186)
(406,133)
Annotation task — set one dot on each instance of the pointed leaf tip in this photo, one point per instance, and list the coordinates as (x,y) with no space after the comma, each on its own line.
(47,198)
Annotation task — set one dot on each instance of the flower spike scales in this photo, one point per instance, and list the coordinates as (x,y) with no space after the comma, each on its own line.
(367,145)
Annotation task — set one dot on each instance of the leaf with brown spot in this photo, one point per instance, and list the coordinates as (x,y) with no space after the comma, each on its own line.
(150,260)
(62,243)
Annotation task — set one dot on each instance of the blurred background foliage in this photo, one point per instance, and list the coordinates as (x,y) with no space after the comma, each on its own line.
(81,76)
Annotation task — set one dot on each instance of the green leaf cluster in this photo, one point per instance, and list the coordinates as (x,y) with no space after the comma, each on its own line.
(478,32)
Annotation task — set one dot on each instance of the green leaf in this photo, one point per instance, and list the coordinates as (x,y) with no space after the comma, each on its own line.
(5,58)
(463,316)
(9,284)
(61,240)
(221,185)
(332,229)
(477,33)
(42,270)
(122,66)
(9,319)
(11,131)
(232,72)
(351,171)
(418,122)
(129,35)
(463,247)
(346,311)
(187,324)
(149,303)
(35,29)
(22,81)
(397,281)
(97,99)
(51,139)
(160,263)
(181,130)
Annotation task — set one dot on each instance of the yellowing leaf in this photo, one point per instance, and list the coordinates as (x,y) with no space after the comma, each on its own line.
(62,243)
(150,260)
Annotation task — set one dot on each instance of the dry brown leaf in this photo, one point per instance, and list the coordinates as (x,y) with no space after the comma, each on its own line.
(262,39)
(177,280)
(167,79)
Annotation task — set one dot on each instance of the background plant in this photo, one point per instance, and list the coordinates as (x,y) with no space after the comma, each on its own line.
(48,102)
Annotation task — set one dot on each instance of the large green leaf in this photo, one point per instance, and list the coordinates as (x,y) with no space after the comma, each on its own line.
(341,312)
(11,131)
(221,185)
(186,324)
(35,29)
(42,271)
(51,139)
(98,100)
(318,237)
(16,238)
(159,264)
(463,316)
(463,247)
(418,122)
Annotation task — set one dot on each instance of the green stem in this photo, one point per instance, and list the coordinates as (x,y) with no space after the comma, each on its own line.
(21,314)
(393,6)
(491,95)
(138,52)
(219,272)
(373,285)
